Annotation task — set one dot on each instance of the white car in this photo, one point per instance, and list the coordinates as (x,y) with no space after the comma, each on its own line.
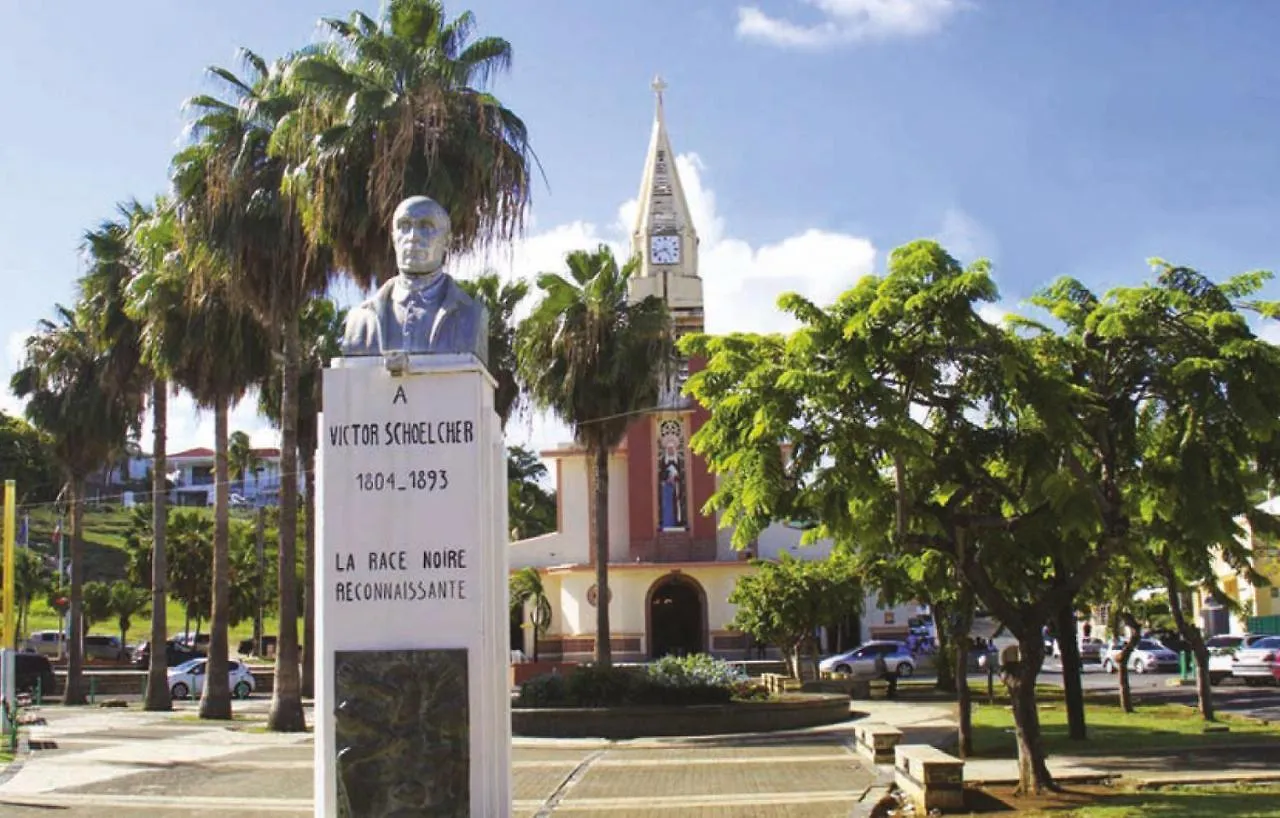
(187,679)
(862,660)
(1260,662)
(1223,651)
(1148,655)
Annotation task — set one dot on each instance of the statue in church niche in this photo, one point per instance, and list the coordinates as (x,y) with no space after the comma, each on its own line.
(671,476)
(422,310)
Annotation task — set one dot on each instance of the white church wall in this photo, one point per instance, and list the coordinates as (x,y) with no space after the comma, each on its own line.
(619,510)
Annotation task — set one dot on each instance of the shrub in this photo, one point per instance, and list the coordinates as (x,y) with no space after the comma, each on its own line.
(689,680)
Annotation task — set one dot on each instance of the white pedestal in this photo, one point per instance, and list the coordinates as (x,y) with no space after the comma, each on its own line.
(411,599)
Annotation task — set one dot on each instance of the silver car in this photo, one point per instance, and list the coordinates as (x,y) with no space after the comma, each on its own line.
(1260,662)
(861,661)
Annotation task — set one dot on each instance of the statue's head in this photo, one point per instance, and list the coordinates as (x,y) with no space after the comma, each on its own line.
(420,232)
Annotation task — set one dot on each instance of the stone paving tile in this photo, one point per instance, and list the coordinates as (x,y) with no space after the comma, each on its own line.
(739,779)
(196,781)
(758,751)
(538,783)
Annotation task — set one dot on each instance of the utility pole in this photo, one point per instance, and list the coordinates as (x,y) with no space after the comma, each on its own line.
(257,618)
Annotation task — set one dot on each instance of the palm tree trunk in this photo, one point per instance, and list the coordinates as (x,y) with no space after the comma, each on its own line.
(286,698)
(215,703)
(309,571)
(75,641)
(604,650)
(158,675)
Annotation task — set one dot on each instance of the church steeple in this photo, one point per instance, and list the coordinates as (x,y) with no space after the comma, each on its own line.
(664,234)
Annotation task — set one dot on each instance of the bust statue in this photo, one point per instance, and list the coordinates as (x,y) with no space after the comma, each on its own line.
(422,310)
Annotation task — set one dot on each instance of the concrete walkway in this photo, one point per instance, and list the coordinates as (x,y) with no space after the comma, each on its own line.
(87,762)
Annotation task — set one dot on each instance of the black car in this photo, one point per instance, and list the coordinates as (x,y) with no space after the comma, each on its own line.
(175,654)
(31,669)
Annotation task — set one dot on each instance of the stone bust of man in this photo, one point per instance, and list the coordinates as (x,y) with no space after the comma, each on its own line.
(422,310)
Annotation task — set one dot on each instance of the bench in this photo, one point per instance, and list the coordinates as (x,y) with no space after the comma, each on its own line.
(876,741)
(931,778)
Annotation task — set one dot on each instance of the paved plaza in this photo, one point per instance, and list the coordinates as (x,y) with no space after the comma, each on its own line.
(91,762)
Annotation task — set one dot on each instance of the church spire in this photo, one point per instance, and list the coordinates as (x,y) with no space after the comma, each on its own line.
(663,234)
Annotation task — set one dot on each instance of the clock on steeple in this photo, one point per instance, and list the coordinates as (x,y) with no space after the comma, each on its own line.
(664,237)
(664,249)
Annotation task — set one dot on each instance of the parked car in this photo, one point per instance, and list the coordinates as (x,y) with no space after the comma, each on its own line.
(175,654)
(1223,650)
(187,679)
(100,646)
(1147,656)
(30,670)
(1091,649)
(46,643)
(1259,663)
(861,661)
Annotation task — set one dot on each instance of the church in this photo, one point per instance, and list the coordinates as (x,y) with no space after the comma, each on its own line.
(671,567)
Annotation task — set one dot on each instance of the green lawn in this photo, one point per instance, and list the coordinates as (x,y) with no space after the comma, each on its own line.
(105,559)
(1167,726)
(1182,802)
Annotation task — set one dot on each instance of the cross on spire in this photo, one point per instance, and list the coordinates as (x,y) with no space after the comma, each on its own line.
(658,86)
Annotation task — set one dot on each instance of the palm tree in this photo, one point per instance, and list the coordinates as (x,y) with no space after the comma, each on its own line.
(233,196)
(63,380)
(321,333)
(595,359)
(393,108)
(154,300)
(226,353)
(126,602)
(240,457)
(501,300)
(526,589)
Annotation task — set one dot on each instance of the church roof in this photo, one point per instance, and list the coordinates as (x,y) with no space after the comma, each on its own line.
(661,179)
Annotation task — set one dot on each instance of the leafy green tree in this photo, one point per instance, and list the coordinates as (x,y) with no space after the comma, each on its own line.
(190,562)
(241,461)
(25,458)
(501,299)
(395,107)
(910,426)
(784,603)
(125,602)
(595,359)
(528,592)
(155,300)
(62,379)
(235,202)
(31,580)
(530,507)
(97,603)
(320,329)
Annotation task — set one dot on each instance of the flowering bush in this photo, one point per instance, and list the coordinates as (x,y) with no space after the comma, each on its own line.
(698,679)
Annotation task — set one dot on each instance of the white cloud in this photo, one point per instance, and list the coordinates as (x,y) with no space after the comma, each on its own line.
(848,21)
(964,238)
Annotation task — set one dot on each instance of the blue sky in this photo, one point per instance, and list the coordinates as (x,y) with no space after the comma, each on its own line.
(1053,137)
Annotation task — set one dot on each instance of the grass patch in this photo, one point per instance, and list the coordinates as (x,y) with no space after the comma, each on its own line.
(1240,801)
(1111,730)
(242,718)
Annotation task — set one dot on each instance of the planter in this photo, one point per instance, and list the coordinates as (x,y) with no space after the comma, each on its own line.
(523,672)
(792,712)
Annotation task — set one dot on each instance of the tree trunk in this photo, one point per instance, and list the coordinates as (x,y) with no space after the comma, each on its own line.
(215,702)
(1072,683)
(964,696)
(946,674)
(1191,635)
(1020,678)
(260,594)
(309,571)
(1130,645)
(286,714)
(604,650)
(75,693)
(157,698)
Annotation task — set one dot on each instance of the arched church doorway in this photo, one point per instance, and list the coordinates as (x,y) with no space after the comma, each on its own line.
(676,617)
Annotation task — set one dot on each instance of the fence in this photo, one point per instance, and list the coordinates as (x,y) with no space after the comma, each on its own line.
(1269,625)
